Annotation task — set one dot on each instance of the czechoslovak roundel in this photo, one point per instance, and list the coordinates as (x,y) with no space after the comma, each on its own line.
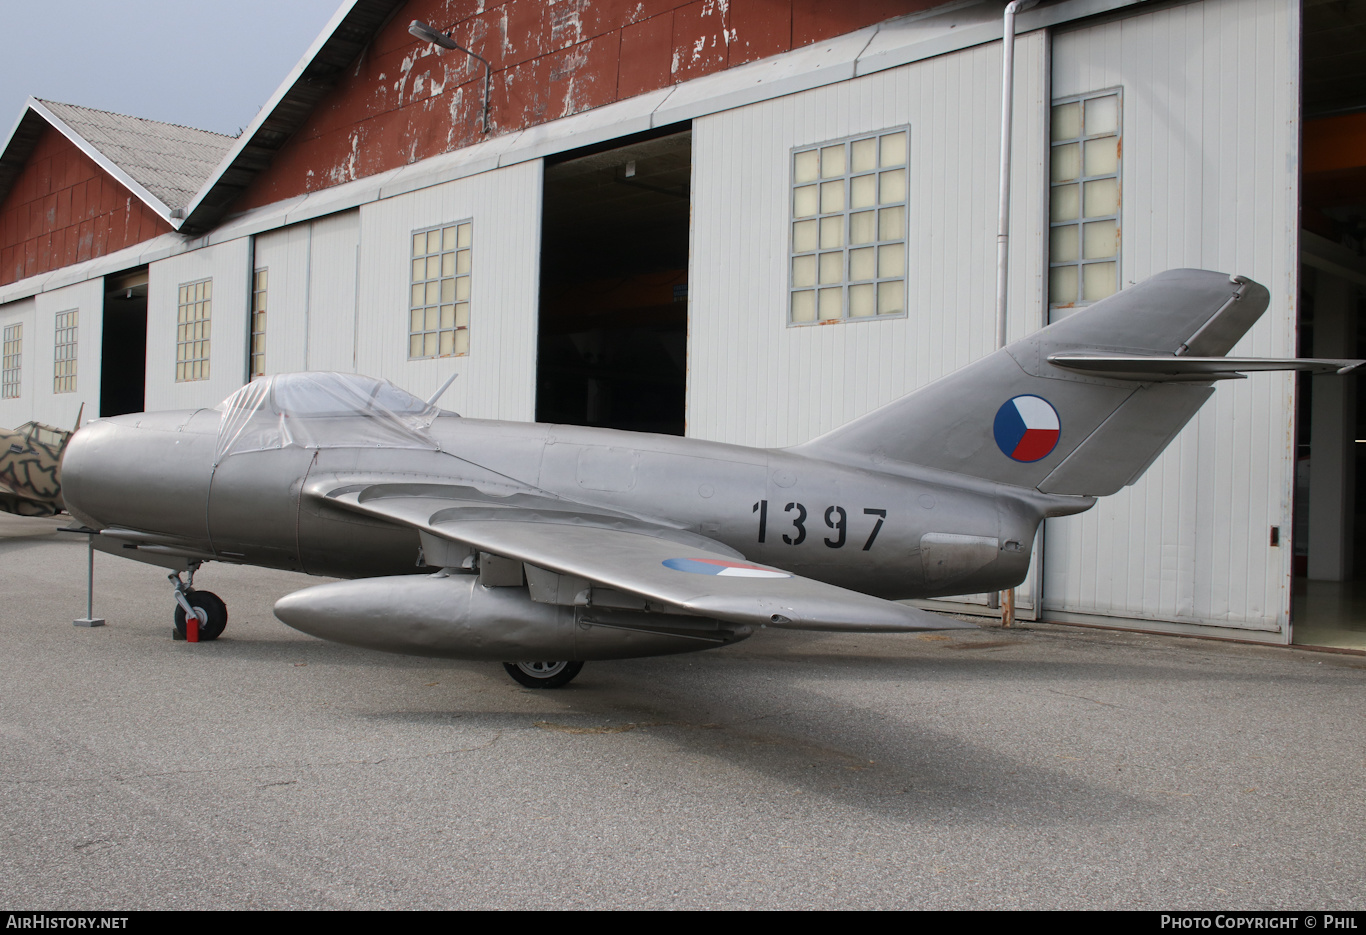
(1027,428)
(721,566)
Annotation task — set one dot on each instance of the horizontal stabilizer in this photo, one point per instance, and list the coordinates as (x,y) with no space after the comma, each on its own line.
(1166,368)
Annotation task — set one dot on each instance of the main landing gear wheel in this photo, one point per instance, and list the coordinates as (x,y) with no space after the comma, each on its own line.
(212,613)
(543,674)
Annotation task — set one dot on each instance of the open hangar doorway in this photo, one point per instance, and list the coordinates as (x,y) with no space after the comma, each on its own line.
(1328,605)
(614,285)
(123,347)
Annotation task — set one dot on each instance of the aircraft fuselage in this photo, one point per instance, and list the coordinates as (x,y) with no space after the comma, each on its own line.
(913,533)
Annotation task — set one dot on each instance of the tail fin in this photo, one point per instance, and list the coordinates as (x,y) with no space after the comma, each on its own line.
(1081,407)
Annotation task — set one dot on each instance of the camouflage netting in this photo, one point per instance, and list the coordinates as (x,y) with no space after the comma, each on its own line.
(30,459)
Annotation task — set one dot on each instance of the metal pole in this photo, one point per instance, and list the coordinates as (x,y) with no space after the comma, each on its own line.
(89,620)
(1007,599)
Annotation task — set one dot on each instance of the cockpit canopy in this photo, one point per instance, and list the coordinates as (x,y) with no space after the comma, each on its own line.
(323,410)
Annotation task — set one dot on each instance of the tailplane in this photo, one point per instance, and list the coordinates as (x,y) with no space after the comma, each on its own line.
(1083,406)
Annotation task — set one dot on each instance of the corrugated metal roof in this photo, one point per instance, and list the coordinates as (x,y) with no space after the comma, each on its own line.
(170,161)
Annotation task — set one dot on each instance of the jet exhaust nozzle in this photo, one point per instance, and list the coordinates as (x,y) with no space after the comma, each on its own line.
(455,617)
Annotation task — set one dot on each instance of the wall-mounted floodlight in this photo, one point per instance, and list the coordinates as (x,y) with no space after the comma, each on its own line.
(426,33)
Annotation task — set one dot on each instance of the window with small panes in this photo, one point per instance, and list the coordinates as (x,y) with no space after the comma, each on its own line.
(193,327)
(259,283)
(1084,200)
(848,232)
(9,361)
(64,353)
(439,307)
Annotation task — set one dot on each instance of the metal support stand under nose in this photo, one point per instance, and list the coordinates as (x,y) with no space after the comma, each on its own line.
(89,620)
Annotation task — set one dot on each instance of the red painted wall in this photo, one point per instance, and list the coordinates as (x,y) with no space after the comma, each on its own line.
(63,209)
(401,102)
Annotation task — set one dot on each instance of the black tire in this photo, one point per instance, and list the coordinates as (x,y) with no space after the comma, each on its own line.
(214,608)
(543,674)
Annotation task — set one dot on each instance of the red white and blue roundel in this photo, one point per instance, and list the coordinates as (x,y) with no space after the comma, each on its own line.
(721,566)
(1027,428)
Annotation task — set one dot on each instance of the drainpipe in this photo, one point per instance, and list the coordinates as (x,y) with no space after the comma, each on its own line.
(1003,221)
(1007,598)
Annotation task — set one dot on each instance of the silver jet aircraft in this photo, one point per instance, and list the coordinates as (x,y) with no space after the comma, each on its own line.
(548,545)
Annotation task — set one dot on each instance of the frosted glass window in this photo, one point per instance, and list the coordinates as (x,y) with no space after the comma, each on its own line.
(861,228)
(863,156)
(832,268)
(1066,121)
(260,280)
(862,300)
(1067,162)
(863,192)
(862,264)
(832,162)
(832,197)
(194,314)
(9,363)
(1085,199)
(1062,244)
(849,226)
(438,310)
(1102,240)
(64,353)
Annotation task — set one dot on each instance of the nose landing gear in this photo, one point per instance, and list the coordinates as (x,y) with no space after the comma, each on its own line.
(205,607)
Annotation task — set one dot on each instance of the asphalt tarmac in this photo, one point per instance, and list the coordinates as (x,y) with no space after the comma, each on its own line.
(1044,767)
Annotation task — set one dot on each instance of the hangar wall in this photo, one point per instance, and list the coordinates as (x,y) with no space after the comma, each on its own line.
(310,294)
(15,410)
(224,266)
(755,379)
(498,376)
(39,399)
(1211,120)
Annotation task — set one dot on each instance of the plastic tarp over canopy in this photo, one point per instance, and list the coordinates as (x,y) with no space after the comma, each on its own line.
(323,410)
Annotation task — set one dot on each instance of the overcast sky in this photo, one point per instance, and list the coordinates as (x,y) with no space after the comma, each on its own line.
(203,63)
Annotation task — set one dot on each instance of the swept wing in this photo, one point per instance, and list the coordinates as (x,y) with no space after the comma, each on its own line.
(626,555)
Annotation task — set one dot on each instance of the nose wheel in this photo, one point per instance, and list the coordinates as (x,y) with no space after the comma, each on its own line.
(208,609)
(543,674)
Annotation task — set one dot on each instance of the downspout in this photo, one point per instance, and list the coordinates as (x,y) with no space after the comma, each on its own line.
(1007,112)
(1006,598)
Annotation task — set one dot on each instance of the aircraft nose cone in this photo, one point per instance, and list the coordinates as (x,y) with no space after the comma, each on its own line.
(144,471)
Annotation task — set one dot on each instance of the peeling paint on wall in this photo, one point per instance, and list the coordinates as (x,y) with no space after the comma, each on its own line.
(548,59)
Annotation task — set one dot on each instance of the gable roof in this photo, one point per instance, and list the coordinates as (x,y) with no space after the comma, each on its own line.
(317,72)
(164,164)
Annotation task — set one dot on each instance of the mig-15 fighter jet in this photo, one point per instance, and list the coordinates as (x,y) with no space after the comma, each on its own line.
(519,542)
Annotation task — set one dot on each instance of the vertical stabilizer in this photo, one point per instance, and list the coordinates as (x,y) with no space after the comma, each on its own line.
(1014,417)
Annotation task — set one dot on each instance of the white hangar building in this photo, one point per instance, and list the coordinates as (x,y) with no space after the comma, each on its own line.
(748,223)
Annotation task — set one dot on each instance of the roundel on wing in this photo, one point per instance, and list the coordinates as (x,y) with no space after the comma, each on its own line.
(1027,428)
(721,566)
